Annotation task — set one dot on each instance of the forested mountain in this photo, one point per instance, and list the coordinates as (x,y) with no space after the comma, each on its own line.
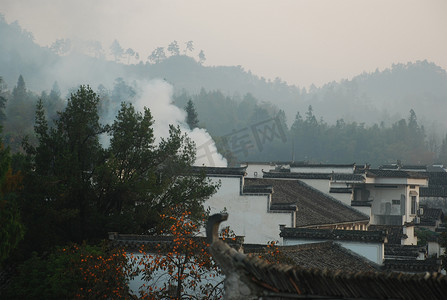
(369,118)
(385,95)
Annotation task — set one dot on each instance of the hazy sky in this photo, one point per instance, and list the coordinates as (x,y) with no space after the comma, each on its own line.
(302,42)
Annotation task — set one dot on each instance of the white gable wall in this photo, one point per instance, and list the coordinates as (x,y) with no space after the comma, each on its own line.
(254,170)
(249,215)
(373,251)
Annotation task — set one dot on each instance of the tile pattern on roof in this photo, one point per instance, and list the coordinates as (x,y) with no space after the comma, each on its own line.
(293,175)
(314,207)
(437,179)
(347,177)
(394,232)
(413,266)
(237,171)
(257,189)
(257,278)
(333,234)
(309,165)
(431,213)
(434,191)
(325,256)
(403,251)
(394,174)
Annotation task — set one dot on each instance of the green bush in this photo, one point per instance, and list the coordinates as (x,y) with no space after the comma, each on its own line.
(73,272)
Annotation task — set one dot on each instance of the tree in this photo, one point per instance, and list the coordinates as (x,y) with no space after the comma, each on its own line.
(73,272)
(189,46)
(174,49)
(130,52)
(63,163)
(61,46)
(442,157)
(202,57)
(53,102)
(11,227)
(191,115)
(3,100)
(94,48)
(186,268)
(82,190)
(19,112)
(157,56)
(116,50)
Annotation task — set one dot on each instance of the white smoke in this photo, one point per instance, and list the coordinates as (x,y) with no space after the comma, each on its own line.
(157,96)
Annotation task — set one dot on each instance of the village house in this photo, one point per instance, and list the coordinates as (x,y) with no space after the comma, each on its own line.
(254,215)
(262,203)
(260,207)
(249,277)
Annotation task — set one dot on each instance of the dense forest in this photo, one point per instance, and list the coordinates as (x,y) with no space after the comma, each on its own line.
(80,156)
(378,117)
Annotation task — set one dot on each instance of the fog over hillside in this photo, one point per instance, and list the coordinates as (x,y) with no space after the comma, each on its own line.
(230,98)
(383,95)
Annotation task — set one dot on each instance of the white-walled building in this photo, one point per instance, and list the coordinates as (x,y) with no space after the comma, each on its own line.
(252,213)
(369,244)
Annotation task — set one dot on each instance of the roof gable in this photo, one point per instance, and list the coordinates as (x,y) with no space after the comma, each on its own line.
(314,207)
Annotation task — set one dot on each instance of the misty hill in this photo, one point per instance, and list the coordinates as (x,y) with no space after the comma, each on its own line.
(385,96)
(19,55)
(369,98)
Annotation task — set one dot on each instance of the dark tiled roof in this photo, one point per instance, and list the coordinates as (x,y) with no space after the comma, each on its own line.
(435,169)
(389,167)
(403,167)
(314,207)
(236,171)
(293,175)
(262,279)
(414,167)
(258,189)
(394,232)
(340,190)
(347,177)
(414,266)
(431,213)
(134,242)
(308,165)
(291,207)
(334,234)
(325,256)
(436,191)
(401,251)
(394,174)
(436,179)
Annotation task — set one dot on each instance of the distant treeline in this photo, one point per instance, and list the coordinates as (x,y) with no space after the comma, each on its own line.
(310,138)
(307,138)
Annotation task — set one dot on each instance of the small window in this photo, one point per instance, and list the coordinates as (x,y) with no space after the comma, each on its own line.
(412,186)
(396,202)
(413,205)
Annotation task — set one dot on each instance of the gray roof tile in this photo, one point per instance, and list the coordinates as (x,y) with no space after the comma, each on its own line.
(314,207)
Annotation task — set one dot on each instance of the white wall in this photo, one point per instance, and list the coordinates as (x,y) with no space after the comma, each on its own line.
(383,200)
(412,239)
(319,184)
(374,252)
(254,170)
(248,215)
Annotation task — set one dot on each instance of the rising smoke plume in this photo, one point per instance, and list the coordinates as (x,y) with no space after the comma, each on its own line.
(157,96)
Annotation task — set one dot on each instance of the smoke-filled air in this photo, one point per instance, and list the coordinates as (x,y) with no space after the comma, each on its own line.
(126,125)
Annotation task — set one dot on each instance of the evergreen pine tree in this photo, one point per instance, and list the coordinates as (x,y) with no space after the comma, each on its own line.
(191,117)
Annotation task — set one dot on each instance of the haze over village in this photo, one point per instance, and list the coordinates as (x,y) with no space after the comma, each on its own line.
(223,150)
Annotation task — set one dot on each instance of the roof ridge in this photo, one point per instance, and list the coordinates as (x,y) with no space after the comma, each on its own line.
(333,199)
